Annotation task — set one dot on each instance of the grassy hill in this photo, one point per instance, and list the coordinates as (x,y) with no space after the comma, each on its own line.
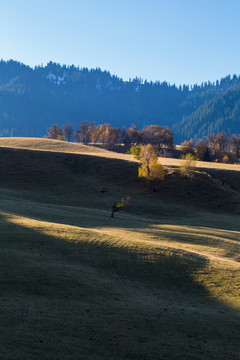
(158,282)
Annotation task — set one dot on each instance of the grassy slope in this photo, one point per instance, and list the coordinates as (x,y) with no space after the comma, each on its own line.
(60,146)
(159,282)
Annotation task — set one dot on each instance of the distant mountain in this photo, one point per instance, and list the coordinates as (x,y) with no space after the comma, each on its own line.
(31,100)
(221,113)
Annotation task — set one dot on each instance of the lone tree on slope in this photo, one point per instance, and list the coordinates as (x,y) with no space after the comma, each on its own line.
(150,168)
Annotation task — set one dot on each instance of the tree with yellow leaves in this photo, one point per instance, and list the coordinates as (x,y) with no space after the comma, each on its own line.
(188,166)
(150,168)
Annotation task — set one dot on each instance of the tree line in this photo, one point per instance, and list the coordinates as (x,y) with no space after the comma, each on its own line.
(220,147)
(113,138)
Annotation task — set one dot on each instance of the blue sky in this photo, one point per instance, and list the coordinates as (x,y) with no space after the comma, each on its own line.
(180,41)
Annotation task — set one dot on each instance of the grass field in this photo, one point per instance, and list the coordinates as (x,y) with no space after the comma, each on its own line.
(62,146)
(158,282)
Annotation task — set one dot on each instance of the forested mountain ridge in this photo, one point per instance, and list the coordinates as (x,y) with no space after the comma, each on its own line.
(31,100)
(222,113)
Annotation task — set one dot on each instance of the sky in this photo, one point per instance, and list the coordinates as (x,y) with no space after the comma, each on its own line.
(178,41)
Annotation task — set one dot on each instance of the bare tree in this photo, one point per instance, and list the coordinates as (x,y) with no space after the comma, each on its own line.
(218,145)
(134,136)
(54,132)
(236,145)
(222,141)
(200,149)
(83,133)
(95,132)
(159,136)
(68,131)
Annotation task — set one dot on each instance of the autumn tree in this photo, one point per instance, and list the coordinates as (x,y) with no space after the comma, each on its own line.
(211,142)
(68,131)
(136,152)
(218,145)
(55,132)
(222,141)
(124,204)
(188,165)
(187,147)
(110,137)
(150,168)
(166,138)
(160,137)
(95,132)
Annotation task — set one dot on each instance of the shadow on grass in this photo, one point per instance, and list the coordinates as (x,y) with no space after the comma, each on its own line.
(78,180)
(89,300)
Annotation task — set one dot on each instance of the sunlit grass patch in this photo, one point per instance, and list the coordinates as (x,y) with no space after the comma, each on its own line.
(157,244)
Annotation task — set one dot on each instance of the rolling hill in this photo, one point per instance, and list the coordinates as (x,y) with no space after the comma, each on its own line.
(158,282)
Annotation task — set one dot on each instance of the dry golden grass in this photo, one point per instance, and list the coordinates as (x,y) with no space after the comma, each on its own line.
(139,290)
(47,145)
(161,282)
(200,164)
(44,144)
(219,248)
(65,147)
